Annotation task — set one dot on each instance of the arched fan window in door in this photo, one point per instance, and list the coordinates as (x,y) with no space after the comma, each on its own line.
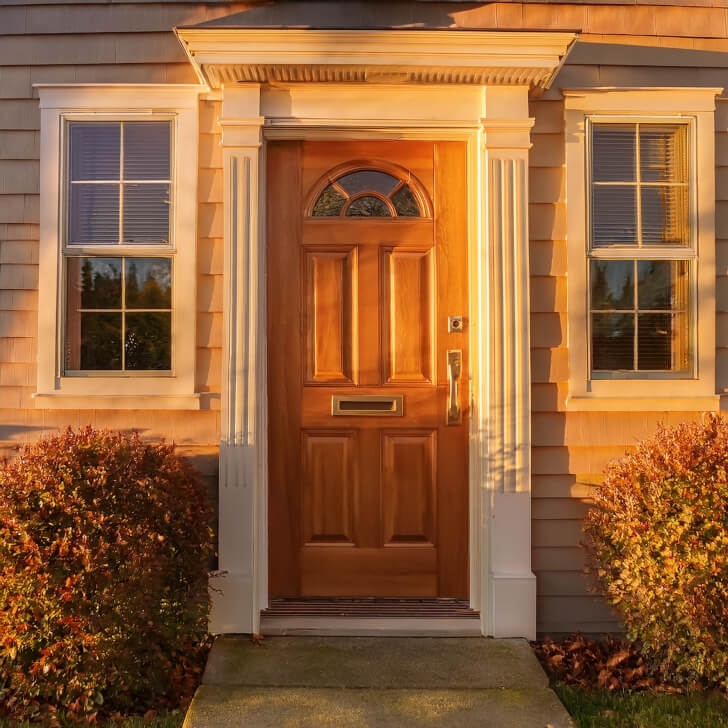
(369,192)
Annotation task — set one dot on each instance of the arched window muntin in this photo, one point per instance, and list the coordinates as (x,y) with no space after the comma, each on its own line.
(405,182)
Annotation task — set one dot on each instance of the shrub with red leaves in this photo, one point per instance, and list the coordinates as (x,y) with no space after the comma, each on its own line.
(104,544)
(609,664)
(658,545)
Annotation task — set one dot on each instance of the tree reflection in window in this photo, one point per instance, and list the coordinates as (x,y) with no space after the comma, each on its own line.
(367,193)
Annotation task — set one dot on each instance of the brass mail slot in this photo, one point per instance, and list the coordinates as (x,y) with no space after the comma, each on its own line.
(370,405)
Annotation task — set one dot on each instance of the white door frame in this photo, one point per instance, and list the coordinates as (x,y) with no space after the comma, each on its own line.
(471,86)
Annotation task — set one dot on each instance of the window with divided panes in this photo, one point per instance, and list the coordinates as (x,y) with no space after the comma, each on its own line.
(118,306)
(641,252)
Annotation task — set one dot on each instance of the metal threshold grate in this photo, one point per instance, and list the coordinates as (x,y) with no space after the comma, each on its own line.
(369,607)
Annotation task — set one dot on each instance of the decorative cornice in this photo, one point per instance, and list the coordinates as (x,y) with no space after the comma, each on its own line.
(230,55)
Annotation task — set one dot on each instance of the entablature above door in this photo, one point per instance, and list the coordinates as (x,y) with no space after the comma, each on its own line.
(290,55)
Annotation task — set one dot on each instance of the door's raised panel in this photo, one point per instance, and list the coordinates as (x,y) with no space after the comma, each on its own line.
(329,486)
(408,312)
(408,488)
(329,321)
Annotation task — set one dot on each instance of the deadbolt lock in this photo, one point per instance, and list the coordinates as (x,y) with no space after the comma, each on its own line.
(454,324)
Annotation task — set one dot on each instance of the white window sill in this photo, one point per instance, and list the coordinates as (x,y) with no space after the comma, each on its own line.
(643,404)
(58,400)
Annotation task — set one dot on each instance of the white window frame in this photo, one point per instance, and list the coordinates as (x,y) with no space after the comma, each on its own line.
(64,103)
(658,391)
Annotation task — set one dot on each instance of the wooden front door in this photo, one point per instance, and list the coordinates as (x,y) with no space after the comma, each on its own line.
(368,369)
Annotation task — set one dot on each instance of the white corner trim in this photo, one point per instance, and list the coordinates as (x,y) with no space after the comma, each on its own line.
(261,55)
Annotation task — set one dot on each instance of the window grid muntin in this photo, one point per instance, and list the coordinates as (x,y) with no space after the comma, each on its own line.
(67,182)
(123,311)
(668,252)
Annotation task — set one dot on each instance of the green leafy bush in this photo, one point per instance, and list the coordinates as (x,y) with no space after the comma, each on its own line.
(658,544)
(104,544)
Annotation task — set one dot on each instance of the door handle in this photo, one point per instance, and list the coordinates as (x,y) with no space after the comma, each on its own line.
(454,370)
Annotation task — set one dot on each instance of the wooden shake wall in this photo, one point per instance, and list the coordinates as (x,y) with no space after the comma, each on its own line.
(132,42)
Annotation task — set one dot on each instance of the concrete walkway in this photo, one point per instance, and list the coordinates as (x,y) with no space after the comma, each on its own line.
(382,682)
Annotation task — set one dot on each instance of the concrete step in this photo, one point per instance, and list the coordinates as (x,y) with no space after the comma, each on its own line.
(371,662)
(228,706)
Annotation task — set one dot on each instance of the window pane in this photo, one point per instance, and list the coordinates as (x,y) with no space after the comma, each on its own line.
(94,213)
(654,341)
(612,341)
(148,341)
(662,284)
(146,150)
(368,207)
(663,153)
(95,150)
(665,215)
(100,343)
(612,284)
(367,179)
(614,216)
(146,213)
(405,204)
(329,203)
(148,283)
(613,153)
(94,283)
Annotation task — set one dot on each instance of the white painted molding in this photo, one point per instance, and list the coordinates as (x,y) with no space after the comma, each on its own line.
(262,55)
(239,590)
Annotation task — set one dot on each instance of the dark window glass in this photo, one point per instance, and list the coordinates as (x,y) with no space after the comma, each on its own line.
(367,179)
(95,282)
(100,341)
(148,283)
(613,153)
(148,341)
(94,213)
(95,150)
(405,203)
(664,215)
(612,285)
(612,341)
(329,203)
(654,341)
(663,153)
(146,213)
(614,216)
(368,207)
(147,150)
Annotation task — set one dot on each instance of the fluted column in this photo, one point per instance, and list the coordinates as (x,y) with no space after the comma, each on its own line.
(239,591)
(505,388)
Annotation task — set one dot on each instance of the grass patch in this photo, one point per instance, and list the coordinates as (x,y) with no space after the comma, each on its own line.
(166,720)
(603,709)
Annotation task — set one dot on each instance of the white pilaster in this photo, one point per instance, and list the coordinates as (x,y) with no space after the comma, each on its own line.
(239,590)
(505,403)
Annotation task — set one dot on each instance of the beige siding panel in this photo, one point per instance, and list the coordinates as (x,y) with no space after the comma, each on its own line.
(211,189)
(721,254)
(14,80)
(21,252)
(553,460)
(549,365)
(209,330)
(210,220)
(560,486)
(548,397)
(210,151)
(18,350)
(183,428)
(567,558)
(547,257)
(548,150)
(209,114)
(18,324)
(19,177)
(721,293)
(18,114)
(691,22)
(546,184)
(209,293)
(722,330)
(19,231)
(548,294)
(721,219)
(18,277)
(11,300)
(562,583)
(210,256)
(209,370)
(19,209)
(548,330)
(17,375)
(721,145)
(570,614)
(637,20)
(557,532)
(549,116)
(554,16)
(17,397)
(547,509)
(23,144)
(547,221)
